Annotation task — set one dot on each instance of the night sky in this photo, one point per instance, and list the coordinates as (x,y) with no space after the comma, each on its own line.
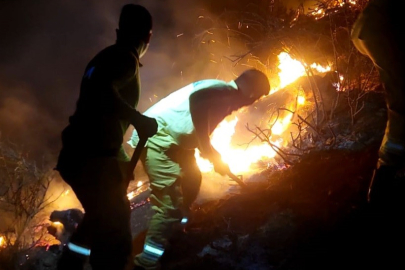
(45,46)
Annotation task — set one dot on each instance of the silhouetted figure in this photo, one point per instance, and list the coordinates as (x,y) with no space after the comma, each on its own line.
(92,160)
(378,34)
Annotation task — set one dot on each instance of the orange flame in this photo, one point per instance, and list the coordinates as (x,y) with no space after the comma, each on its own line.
(136,192)
(241,160)
(2,241)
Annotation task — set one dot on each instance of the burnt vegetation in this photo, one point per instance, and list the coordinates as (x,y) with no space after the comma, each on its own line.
(339,100)
(24,205)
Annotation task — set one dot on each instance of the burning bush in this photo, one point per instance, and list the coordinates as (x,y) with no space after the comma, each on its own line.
(312,65)
(23,205)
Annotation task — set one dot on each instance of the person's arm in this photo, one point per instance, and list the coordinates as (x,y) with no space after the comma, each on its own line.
(121,72)
(202,104)
(200,107)
(117,74)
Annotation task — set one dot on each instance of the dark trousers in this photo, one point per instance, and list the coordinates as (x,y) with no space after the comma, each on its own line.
(101,189)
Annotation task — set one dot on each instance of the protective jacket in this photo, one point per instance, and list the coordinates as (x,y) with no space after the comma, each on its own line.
(109,94)
(174,116)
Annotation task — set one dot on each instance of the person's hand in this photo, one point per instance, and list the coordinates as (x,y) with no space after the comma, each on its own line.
(221,167)
(145,126)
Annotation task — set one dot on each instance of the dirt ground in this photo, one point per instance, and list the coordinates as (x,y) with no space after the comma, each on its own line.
(312,216)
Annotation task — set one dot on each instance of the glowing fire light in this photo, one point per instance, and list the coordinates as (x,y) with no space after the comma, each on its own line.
(301,100)
(134,193)
(131,195)
(2,241)
(338,85)
(290,69)
(319,13)
(320,68)
(240,160)
(281,125)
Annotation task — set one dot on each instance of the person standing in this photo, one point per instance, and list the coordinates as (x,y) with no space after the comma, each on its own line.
(92,159)
(377,33)
(186,118)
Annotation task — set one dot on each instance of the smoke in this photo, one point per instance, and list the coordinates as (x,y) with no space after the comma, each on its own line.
(43,52)
(45,46)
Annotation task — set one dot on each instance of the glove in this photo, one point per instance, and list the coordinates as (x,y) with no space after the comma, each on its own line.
(145,126)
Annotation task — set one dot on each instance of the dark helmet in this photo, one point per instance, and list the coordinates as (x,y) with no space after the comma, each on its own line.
(135,21)
(253,83)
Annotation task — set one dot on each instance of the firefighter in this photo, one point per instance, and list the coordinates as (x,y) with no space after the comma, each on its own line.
(186,118)
(92,159)
(377,33)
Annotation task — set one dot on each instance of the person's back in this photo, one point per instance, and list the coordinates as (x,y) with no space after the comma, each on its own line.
(94,128)
(173,112)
